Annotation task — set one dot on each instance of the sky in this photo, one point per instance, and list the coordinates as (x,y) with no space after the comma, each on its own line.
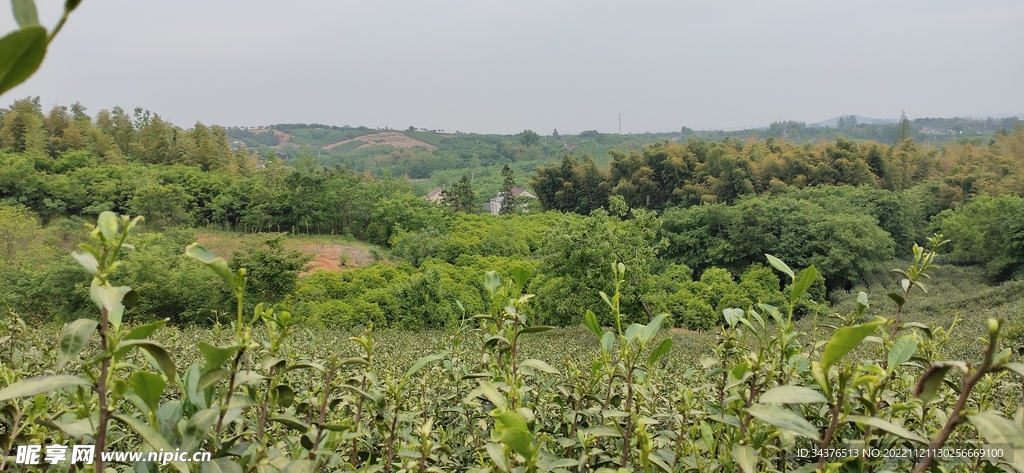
(506,66)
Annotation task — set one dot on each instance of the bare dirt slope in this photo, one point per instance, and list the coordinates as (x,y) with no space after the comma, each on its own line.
(398,140)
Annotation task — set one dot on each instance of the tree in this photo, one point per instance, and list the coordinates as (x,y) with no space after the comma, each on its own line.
(529,138)
(581,251)
(19,232)
(903,129)
(555,135)
(508,199)
(272,270)
(460,196)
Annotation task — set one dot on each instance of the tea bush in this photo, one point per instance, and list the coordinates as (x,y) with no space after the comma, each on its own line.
(258,395)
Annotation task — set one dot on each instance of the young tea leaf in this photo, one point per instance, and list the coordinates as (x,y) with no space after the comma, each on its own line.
(73,339)
(997,429)
(930,382)
(902,351)
(40,384)
(888,427)
(592,324)
(659,351)
(784,419)
(217,264)
(745,457)
(791,394)
(803,283)
(779,265)
(152,437)
(107,223)
(23,53)
(420,363)
(844,340)
(149,387)
(25,12)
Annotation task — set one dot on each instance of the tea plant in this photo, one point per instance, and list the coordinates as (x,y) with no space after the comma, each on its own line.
(260,396)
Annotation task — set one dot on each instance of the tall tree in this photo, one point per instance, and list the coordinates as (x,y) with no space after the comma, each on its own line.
(460,196)
(508,199)
(903,129)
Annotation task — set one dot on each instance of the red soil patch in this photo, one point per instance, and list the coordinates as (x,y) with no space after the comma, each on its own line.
(327,256)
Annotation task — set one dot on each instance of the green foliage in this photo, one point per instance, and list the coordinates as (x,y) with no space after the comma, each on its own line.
(272,270)
(480,398)
(578,251)
(988,231)
(846,243)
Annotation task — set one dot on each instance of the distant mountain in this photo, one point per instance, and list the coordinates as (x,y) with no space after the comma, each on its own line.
(832,122)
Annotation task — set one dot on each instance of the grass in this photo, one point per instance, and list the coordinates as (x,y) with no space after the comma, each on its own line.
(953,291)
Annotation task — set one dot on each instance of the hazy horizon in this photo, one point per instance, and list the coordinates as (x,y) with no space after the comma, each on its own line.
(502,68)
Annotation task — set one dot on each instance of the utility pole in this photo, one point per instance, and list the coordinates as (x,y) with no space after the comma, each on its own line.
(620,123)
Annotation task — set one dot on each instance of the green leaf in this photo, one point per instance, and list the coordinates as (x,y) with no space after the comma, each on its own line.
(745,457)
(301,465)
(216,356)
(211,378)
(73,339)
(511,420)
(539,365)
(41,384)
(70,5)
(652,327)
(930,381)
(76,430)
(420,363)
(791,394)
(497,455)
(492,394)
(107,223)
(888,427)
(290,422)
(217,264)
(25,12)
(23,53)
(898,299)
(602,431)
(520,441)
(152,437)
(520,275)
(844,340)
(197,426)
(220,465)
(285,395)
(592,324)
(997,429)
(632,331)
(607,341)
(88,261)
(1015,367)
(158,352)
(536,329)
(491,282)
(659,351)
(801,285)
(110,299)
(779,265)
(902,351)
(149,387)
(144,331)
(784,419)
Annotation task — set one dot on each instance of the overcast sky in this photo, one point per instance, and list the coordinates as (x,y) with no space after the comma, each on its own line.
(502,67)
